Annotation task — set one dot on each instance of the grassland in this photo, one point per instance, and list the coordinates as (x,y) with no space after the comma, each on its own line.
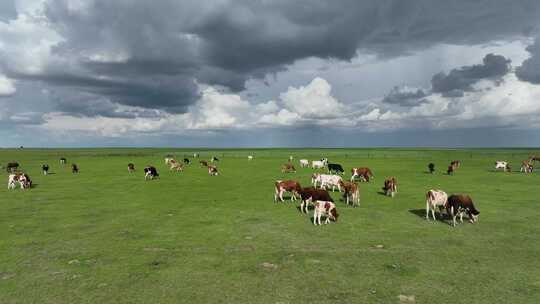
(107,236)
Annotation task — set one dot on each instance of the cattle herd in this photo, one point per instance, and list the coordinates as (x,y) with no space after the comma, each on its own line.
(317,195)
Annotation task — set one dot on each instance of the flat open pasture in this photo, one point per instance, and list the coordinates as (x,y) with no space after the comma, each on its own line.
(107,236)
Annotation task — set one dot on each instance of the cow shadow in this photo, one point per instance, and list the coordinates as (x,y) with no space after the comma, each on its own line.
(441,217)
(382,193)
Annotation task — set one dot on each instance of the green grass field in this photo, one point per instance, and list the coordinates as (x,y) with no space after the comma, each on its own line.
(107,236)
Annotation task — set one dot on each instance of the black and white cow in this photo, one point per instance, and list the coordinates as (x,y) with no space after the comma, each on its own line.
(335,168)
(150,172)
(45,169)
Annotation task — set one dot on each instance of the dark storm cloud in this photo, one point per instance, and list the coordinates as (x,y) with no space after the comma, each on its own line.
(459,80)
(401,97)
(530,69)
(150,53)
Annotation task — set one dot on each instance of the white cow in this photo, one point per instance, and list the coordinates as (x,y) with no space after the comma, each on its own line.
(304,163)
(502,165)
(324,208)
(435,199)
(319,164)
(327,180)
(250,157)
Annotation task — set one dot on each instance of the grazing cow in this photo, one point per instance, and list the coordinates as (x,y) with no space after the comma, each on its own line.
(250,157)
(304,163)
(335,168)
(502,165)
(363,173)
(22,178)
(63,161)
(287,185)
(459,204)
(45,169)
(131,168)
(288,168)
(187,161)
(450,170)
(526,167)
(319,164)
(327,180)
(203,163)
(435,199)
(310,194)
(74,168)
(12,167)
(150,172)
(351,193)
(431,168)
(390,186)
(212,170)
(214,159)
(325,208)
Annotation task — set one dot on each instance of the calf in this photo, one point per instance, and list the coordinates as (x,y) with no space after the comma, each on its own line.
(304,163)
(150,172)
(45,169)
(288,185)
(435,198)
(74,168)
(459,204)
(364,174)
(288,168)
(324,208)
(335,168)
(502,165)
(390,186)
(212,171)
(351,192)
(310,194)
(131,168)
(431,168)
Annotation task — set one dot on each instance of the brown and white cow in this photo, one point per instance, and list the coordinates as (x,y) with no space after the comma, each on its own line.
(310,194)
(363,173)
(526,166)
(178,167)
(22,178)
(455,163)
(435,199)
(390,186)
(325,208)
(351,192)
(213,170)
(450,170)
(501,164)
(286,186)
(288,168)
(458,204)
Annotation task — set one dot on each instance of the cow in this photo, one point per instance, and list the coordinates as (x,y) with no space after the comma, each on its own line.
(288,185)
(335,168)
(450,170)
(502,165)
(63,161)
(534,158)
(304,163)
(187,161)
(460,203)
(455,163)
(326,180)
(195,155)
(213,170)
(74,168)
(203,163)
(431,168)
(250,157)
(12,167)
(177,166)
(150,172)
(351,192)
(131,168)
(390,186)
(435,199)
(310,194)
(526,166)
(168,160)
(319,164)
(214,159)
(45,169)
(363,173)
(288,168)
(324,208)
(22,178)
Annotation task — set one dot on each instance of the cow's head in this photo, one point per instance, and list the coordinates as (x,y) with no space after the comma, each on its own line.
(333,214)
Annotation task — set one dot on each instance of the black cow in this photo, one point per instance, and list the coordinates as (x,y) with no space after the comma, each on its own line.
(74,168)
(431,168)
(150,172)
(187,161)
(335,168)
(63,160)
(45,169)
(214,159)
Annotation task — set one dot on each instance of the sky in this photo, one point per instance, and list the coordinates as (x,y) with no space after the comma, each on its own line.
(261,73)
